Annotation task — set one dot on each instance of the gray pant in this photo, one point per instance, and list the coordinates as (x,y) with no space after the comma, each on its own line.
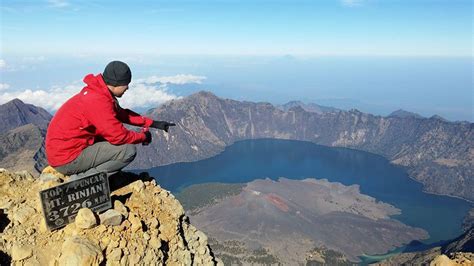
(100,157)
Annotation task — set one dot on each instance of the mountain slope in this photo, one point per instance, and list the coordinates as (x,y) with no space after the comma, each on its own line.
(15,113)
(310,107)
(439,154)
(22,148)
(404,114)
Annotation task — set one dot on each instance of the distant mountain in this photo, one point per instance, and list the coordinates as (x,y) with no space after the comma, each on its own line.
(438,117)
(22,148)
(22,134)
(16,113)
(310,107)
(404,114)
(439,154)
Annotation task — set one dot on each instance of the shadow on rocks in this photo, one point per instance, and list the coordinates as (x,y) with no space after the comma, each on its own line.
(122,179)
(5,259)
(4,221)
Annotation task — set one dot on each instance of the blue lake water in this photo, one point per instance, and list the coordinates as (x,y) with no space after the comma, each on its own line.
(247,160)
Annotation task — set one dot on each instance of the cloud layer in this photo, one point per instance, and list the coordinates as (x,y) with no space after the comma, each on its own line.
(143,93)
(180,79)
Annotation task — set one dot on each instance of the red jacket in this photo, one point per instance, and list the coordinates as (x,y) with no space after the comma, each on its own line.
(89,116)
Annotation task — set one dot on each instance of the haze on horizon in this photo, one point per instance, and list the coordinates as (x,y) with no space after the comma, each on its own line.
(376,56)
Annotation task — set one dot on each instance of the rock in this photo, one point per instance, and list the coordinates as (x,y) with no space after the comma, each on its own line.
(71,229)
(219,262)
(23,214)
(30,231)
(124,260)
(123,243)
(45,177)
(49,184)
(51,170)
(110,217)
(21,252)
(80,251)
(135,221)
(155,242)
(85,219)
(134,259)
(115,254)
(154,224)
(202,250)
(118,206)
(202,237)
(442,260)
(24,175)
(138,185)
(101,229)
(43,228)
(5,203)
(150,258)
(113,243)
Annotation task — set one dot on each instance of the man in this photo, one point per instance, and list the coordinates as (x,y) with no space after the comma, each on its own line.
(86,135)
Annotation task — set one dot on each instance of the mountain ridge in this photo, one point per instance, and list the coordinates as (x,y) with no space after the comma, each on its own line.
(16,113)
(429,149)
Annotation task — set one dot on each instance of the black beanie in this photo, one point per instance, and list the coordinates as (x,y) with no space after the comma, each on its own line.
(117,73)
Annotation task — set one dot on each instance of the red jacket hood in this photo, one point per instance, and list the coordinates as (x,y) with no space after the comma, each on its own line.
(97,84)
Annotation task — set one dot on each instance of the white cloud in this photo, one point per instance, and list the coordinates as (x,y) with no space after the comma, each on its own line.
(4,86)
(180,79)
(140,94)
(50,99)
(58,3)
(3,64)
(352,3)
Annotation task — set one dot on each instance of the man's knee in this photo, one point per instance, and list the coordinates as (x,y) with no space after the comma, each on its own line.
(130,152)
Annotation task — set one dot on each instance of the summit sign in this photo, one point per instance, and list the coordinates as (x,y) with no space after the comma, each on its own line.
(61,203)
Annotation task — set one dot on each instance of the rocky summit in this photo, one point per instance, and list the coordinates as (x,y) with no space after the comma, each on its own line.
(147,226)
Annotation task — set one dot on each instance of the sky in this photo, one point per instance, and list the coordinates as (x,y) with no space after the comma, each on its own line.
(374,55)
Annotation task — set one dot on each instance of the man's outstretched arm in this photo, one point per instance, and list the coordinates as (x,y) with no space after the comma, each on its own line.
(130,117)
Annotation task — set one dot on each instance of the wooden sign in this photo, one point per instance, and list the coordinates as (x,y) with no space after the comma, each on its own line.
(61,203)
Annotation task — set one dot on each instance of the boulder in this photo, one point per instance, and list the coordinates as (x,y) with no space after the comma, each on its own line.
(118,206)
(80,251)
(23,213)
(21,252)
(85,219)
(110,217)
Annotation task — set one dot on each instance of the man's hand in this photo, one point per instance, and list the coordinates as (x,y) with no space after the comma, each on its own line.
(148,138)
(163,125)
